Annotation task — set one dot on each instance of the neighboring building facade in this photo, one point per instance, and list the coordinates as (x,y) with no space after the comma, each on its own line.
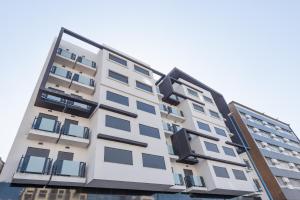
(102,121)
(274,148)
(1,164)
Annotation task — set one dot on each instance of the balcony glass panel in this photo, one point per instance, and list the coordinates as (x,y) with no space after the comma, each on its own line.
(46,124)
(163,108)
(34,164)
(66,53)
(87,62)
(70,168)
(167,127)
(178,179)
(84,80)
(77,131)
(170,149)
(53,98)
(60,71)
(81,105)
(176,112)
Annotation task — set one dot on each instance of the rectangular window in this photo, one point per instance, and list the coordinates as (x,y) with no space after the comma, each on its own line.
(144,86)
(239,174)
(153,161)
(117,59)
(207,99)
(203,126)
(145,107)
(220,131)
(141,70)
(214,114)
(211,147)
(221,172)
(117,156)
(192,92)
(198,108)
(149,131)
(228,151)
(118,76)
(117,98)
(117,123)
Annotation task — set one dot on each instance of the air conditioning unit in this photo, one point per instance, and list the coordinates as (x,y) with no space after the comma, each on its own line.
(265,123)
(274,161)
(295,153)
(273,135)
(285,180)
(248,117)
(281,149)
(286,140)
(255,130)
(264,144)
(292,165)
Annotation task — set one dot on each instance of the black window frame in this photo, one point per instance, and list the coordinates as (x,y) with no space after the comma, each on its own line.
(117,59)
(113,97)
(145,130)
(141,70)
(112,74)
(139,83)
(145,107)
(211,147)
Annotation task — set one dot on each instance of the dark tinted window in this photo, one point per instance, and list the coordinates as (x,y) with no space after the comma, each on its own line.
(198,108)
(117,98)
(149,131)
(207,99)
(211,147)
(144,86)
(141,70)
(117,156)
(118,76)
(153,161)
(239,174)
(117,123)
(203,126)
(145,107)
(228,151)
(192,92)
(214,114)
(221,172)
(118,60)
(220,131)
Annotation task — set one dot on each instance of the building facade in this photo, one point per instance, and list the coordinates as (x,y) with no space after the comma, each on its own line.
(101,120)
(274,148)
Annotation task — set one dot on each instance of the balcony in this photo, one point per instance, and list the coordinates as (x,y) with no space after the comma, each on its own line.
(75,135)
(168,129)
(159,94)
(83,84)
(65,57)
(175,115)
(163,110)
(178,183)
(59,101)
(33,170)
(85,65)
(44,129)
(69,171)
(171,152)
(195,184)
(60,76)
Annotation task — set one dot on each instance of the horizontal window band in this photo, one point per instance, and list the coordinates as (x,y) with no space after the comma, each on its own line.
(121,140)
(119,111)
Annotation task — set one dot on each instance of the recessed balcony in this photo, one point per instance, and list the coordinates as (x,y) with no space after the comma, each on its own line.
(69,171)
(163,110)
(195,184)
(65,57)
(83,84)
(74,135)
(85,65)
(178,183)
(168,129)
(44,129)
(33,170)
(171,152)
(60,76)
(175,115)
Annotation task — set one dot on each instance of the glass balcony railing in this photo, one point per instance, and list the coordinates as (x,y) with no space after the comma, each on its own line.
(170,149)
(163,107)
(78,105)
(53,98)
(76,131)
(59,71)
(66,53)
(86,61)
(167,127)
(84,80)
(69,168)
(34,164)
(194,181)
(178,179)
(175,111)
(46,124)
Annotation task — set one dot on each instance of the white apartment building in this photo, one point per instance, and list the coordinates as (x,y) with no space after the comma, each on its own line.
(102,120)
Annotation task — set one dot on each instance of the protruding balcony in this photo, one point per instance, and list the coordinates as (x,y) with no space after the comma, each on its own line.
(44,129)
(163,110)
(175,115)
(85,65)
(69,171)
(83,84)
(65,57)
(75,135)
(168,129)
(33,170)
(195,184)
(59,101)
(60,76)
(178,183)
(171,152)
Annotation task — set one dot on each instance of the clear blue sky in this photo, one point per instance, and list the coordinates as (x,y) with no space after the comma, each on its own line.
(247,50)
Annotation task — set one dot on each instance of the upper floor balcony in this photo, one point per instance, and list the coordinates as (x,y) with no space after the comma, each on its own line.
(194,183)
(59,75)
(65,57)
(171,113)
(178,183)
(86,65)
(59,101)
(83,84)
